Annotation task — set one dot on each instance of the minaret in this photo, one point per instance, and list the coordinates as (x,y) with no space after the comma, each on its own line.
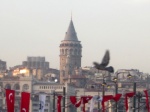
(70,53)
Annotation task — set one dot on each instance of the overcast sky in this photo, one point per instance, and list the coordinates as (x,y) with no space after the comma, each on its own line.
(36,28)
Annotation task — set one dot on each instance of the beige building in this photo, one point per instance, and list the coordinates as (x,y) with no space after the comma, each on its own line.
(19,84)
(35,87)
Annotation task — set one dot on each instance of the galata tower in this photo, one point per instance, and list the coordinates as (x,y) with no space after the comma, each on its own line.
(70,53)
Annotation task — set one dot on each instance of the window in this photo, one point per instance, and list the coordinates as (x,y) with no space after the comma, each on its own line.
(66,50)
(79,52)
(25,87)
(46,110)
(46,104)
(71,44)
(17,87)
(8,86)
(35,105)
(17,93)
(71,51)
(62,51)
(75,52)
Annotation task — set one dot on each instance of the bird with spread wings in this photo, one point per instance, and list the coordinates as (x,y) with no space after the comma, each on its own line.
(103,65)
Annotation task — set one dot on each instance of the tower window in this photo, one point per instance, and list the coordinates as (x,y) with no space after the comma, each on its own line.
(66,51)
(79,52)
(75,52)
(71,45)
(62,51)
(75,63)
(71,52)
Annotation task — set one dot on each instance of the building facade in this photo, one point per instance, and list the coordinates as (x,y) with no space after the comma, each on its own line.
(3,65)
(38,65)
(35,63)
(29,84)
(18,84)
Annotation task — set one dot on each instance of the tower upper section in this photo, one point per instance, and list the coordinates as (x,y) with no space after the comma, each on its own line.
(71,33)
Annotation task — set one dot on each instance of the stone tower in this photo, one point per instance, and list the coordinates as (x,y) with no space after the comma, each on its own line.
(70,53)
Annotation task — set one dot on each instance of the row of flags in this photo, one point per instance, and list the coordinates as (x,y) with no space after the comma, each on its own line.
(10,99)
(25,101)
(85,99)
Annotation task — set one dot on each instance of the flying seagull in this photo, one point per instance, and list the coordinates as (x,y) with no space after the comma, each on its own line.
(104,63)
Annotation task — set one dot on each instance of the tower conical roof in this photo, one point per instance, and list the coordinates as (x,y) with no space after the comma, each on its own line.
(71,33)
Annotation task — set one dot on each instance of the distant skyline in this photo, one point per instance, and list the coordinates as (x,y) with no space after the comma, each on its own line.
(36,28)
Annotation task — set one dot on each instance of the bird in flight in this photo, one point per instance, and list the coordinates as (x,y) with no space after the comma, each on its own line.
(103,65)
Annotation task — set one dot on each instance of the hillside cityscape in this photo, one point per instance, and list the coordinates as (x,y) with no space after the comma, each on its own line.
(35,76)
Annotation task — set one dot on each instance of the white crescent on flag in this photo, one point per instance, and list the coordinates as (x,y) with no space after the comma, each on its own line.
(10,97)
(24,109)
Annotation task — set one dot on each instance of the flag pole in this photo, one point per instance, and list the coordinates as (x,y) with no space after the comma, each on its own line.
(54,101)
(64,94)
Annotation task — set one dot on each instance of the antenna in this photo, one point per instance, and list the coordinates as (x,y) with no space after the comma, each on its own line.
(71,15)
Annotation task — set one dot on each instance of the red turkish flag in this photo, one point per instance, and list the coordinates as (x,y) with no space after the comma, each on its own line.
(105,99)
(117,97)
(85,100)
(10,99)
(59,103)
(147,101)
(75,102)
(126,98)
(25,101)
